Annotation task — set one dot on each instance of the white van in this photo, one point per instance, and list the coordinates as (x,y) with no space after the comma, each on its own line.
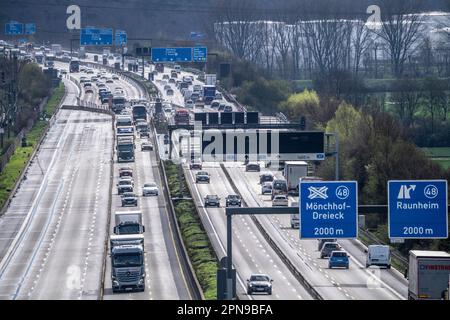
(177,68)
(378,255)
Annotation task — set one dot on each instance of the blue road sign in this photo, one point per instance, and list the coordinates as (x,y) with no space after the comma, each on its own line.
(96,37)
(121,38)
(418,209)
(200,54)
(328,209)
(30,28)
(172,54)
(13,28)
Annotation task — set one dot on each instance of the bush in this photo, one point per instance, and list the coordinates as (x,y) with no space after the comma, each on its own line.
(263,95)
(194,236)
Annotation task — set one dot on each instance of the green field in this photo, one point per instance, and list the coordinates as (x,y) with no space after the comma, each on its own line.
(440,155)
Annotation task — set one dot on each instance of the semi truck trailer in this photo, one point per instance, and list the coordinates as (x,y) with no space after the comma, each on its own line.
(428,275)
(128,222)
(293,171)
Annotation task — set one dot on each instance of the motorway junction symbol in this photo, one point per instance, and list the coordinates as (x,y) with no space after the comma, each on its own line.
(328,209)
(417,209)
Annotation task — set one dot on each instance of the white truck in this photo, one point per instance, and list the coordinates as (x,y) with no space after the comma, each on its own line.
(428,275)
(293,171)
(57,49)
(82,53)
(128,222)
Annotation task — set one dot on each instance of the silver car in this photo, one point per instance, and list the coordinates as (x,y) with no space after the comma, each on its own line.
(259,283)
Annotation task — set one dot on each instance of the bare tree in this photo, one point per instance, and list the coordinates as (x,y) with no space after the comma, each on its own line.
(360,43)
(426,55)
(283,46)
(400,30)
(268,54)
(236,29)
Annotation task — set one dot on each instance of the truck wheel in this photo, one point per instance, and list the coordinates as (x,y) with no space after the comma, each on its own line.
(389,266)
(249,292)
(269,292)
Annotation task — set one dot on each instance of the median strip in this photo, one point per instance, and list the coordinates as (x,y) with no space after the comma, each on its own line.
(194,236)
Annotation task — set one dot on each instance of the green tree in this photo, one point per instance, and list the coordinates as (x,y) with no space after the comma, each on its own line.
(33,84)
(306,103)
(345,122)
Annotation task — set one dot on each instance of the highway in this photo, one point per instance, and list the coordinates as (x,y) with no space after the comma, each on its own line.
(251,252)
(165,279)
(355,283)
(54,230)
(53,235)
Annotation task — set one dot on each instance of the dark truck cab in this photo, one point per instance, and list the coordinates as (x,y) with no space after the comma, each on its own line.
(139,113)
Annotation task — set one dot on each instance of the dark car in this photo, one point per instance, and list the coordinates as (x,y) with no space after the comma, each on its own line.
(212,200)
(233,200)
(88,90)
(195,166)
(253,167)
(322,241)
(125,173)
(228,108)
(144,133)
(166,139)
(129,199)
(202,176)
(265,177)
(121,189)
(328,248)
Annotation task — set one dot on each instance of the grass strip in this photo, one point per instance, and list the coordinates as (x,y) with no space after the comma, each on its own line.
(21,156)
(195,238)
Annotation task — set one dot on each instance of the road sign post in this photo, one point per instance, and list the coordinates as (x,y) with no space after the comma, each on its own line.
(96,36)
(120,38)
(328,209)
(418,209)
(30,28)
(199,54)
(14,28)
(172,54)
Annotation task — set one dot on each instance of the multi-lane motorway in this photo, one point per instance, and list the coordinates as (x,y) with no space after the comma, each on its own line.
(54,230)
(54,235)
(249,247)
